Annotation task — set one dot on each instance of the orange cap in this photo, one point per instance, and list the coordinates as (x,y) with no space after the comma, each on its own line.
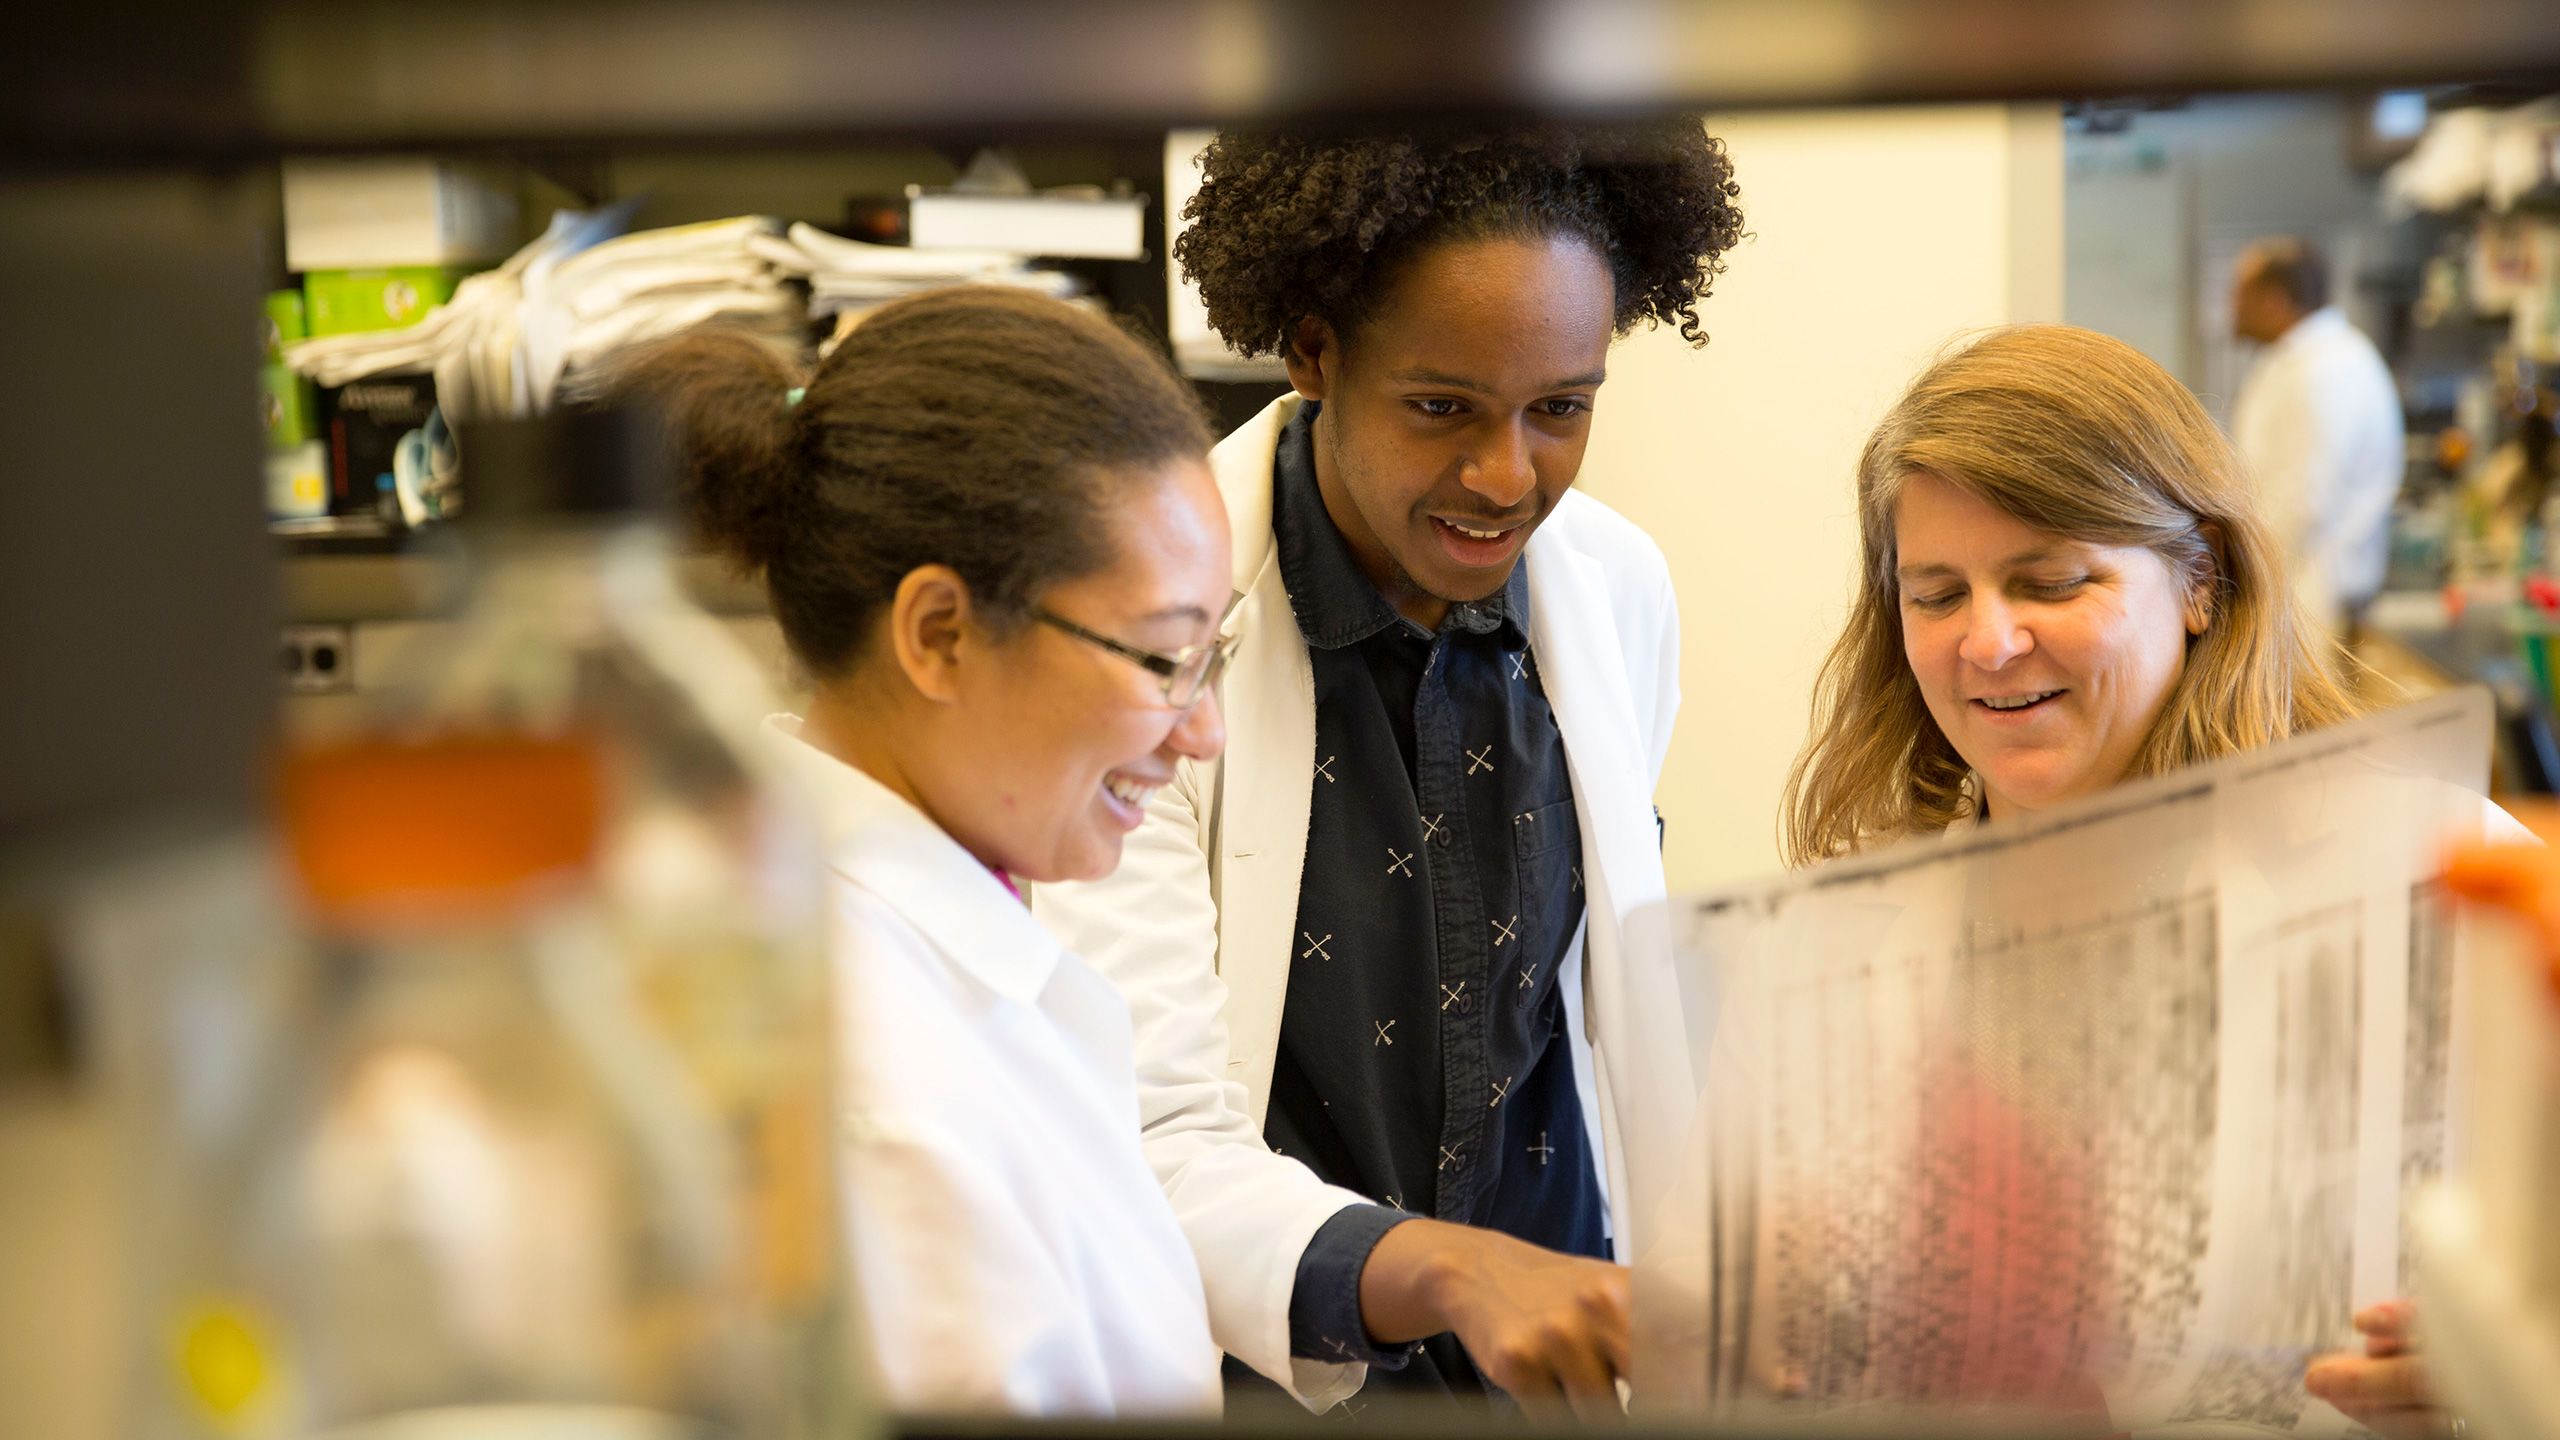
(452,823)
(2523,880)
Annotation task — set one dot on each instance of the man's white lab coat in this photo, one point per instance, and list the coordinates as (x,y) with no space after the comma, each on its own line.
(2318,424)
(1198,926)
(1011,1251)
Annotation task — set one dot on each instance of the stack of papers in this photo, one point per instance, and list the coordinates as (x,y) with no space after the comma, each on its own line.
(852,277)
(510,338)
(652,284)
(472,343)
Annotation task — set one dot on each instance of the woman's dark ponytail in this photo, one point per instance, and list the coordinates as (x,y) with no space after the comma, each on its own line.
(978,427)
(725,397)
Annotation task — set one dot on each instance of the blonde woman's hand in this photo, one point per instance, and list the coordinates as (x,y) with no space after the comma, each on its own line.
(2385,1387)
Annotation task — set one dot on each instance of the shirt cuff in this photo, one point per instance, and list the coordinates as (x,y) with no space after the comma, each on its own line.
(1324,1309)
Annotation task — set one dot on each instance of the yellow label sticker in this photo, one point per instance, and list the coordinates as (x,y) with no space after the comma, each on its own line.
(223,1361)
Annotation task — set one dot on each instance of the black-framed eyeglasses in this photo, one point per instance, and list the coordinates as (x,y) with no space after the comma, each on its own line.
(1186,674)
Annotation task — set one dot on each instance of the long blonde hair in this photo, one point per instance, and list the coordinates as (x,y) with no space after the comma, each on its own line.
(2080,435)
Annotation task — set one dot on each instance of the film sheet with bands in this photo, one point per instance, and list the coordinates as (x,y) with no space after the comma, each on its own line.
(2107,1112)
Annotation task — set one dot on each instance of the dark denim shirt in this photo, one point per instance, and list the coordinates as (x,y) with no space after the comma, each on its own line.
(1423,1052)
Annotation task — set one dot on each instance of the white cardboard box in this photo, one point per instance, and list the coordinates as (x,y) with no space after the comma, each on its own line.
(1070,227)
(362,214)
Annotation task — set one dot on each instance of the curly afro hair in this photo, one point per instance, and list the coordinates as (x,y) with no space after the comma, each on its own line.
(1289,225)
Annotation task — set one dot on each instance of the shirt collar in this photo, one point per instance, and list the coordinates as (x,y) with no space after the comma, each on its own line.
(2310,328)
(1334,602)
(892,850)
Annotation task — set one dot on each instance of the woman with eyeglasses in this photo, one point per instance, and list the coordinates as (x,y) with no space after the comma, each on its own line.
(993,544)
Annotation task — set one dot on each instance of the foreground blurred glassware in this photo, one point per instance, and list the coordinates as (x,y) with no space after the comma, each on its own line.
(2489,1237)
(544,1150)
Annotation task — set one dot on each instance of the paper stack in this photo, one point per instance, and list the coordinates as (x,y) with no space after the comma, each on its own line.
(652,284)
(471,343)
(850,278)
(510,337)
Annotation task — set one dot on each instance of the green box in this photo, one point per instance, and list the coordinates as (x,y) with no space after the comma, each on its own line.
(288,406)
(345,302)
(285,324)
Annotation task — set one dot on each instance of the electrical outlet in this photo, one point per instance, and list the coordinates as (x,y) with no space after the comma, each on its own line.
(317,659)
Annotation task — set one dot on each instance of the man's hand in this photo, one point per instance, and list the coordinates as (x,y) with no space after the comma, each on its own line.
(2384,1389)
(1549,1329)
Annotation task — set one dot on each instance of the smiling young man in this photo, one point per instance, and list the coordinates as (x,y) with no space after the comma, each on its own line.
(1385,937)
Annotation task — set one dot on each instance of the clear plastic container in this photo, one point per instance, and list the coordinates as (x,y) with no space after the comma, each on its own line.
(545,1150)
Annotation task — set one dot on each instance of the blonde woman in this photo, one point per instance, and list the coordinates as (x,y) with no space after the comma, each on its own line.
(2064,583)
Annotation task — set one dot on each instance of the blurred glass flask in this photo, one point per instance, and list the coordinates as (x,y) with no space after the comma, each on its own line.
(545,1151)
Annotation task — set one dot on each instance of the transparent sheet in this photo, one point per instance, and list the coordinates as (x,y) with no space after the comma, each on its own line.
(2110,1112)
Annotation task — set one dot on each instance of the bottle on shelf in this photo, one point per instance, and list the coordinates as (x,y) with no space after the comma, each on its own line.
(544,1148)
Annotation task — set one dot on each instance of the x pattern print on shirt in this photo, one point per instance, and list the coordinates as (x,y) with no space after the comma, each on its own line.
(1438,829)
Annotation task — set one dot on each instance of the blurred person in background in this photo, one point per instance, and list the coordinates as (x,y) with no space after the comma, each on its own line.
(2065,584)
(2318,423)
(1392,1032)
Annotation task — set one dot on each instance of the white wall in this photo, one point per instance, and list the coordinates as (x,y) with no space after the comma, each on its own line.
(1877,235)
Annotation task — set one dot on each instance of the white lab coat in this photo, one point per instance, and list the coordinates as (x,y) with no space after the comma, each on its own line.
(1198,926)
(1010,1249)
(2318,423)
